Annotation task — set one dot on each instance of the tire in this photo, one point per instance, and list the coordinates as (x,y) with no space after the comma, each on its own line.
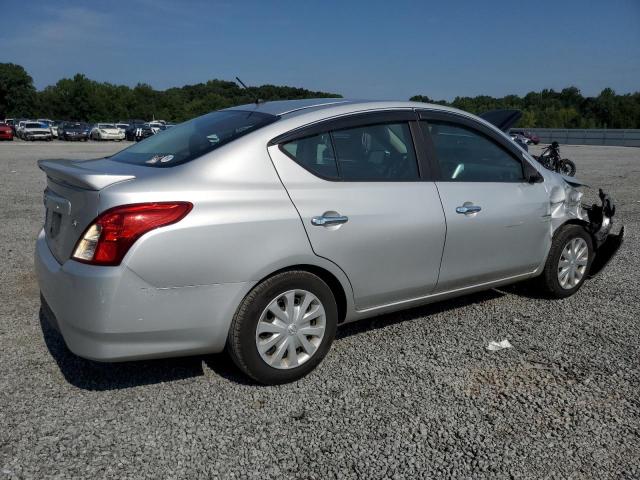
(549,281)
(567,167)
(256,308)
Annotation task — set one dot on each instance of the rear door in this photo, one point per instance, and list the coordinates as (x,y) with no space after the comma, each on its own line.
(498,224)
(366,203)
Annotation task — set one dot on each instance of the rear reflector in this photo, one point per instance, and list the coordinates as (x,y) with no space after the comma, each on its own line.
(111,235)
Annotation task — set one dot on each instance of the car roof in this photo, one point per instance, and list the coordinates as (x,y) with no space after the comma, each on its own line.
(297,113)
(284,107)
(327,106)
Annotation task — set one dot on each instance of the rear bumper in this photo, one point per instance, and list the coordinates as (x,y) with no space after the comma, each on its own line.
(111,314)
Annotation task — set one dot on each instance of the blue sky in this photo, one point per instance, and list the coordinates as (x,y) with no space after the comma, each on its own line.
(362,49)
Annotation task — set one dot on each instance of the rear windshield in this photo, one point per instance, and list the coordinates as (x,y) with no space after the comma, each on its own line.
(192,139)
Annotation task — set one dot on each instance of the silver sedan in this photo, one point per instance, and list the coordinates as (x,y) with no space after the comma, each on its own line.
(261,228)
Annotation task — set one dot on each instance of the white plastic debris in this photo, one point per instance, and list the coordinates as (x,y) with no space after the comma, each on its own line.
(495,346)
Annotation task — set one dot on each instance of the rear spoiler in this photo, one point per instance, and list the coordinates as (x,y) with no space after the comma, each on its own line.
(71,173)
(503,119)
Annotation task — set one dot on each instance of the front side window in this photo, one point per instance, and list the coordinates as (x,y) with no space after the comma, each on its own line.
(466,155)
(194,138)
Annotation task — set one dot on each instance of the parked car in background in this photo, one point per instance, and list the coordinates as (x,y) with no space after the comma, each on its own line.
(11,122)
(157,126)
(73,131)
(36,131)
(54,128)
(52,125)
(19,127)
(535,139)
(6,132)
(138,131)
(521,140)
(261,228)
(106,131)
(122,126)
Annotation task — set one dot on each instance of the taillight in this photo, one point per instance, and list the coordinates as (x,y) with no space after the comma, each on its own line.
(110,236)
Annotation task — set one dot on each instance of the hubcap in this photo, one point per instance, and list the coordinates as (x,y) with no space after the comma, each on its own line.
(290,329)
(573,263)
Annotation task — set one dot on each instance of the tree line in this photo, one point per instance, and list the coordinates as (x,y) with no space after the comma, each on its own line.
(80,98)
(565,109)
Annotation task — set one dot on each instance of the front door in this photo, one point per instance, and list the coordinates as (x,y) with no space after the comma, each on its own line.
(498,224)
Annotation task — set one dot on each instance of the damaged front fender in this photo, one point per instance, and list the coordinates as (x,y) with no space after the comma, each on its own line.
(566,207)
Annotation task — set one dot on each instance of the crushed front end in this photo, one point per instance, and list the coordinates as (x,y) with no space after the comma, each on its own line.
(566,207)
(600,226)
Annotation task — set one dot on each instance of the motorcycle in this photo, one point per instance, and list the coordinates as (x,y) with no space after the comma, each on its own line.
(550,159)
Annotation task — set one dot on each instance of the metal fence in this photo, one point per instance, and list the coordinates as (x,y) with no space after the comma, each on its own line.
(595,136)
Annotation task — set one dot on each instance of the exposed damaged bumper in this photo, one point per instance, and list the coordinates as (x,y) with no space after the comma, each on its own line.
(601,226)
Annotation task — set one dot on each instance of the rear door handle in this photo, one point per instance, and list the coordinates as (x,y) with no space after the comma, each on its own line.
(326,221)
(467,209)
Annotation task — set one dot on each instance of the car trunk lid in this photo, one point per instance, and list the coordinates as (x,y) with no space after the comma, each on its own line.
(71,199)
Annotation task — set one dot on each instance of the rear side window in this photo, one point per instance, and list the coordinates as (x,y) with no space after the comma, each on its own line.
(382,152)
(376,152)
(190,140)
(315,154)
(466,155)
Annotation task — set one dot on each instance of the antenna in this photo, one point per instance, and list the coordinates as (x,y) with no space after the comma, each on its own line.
(257,100)
(242,83)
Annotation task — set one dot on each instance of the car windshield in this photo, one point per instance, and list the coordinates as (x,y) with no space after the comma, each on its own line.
(34,125)
(194,138)
(106,125)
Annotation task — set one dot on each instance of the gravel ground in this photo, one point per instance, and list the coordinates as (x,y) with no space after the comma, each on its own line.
(409,395)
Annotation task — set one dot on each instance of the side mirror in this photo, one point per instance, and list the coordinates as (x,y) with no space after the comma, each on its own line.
(535,178)
(531,174)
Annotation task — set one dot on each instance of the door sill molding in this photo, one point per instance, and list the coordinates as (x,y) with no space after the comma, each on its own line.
(432,296)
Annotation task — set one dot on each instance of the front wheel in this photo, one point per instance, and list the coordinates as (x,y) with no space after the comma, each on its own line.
(566,167)
(283,328)
(568,263)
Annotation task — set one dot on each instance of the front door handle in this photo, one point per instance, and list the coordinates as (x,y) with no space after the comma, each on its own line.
(326,221)
(467,209)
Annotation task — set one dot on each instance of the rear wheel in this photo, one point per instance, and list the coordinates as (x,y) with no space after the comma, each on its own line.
(568,263)
(283,328)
